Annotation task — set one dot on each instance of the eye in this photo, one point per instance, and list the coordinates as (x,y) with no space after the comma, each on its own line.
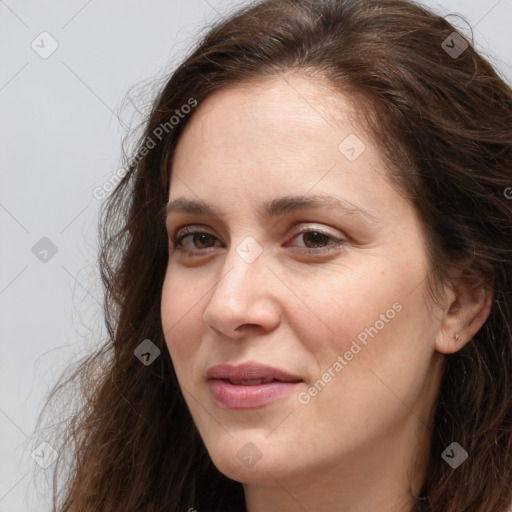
(201,238)
(190,241)
(315,240)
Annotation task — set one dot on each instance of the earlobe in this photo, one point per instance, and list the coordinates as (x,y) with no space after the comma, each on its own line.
(463,318)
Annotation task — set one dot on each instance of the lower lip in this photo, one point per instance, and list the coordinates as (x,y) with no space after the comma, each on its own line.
(231,396)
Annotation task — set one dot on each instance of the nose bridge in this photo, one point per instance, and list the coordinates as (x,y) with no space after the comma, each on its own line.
(239,297)
(243,268)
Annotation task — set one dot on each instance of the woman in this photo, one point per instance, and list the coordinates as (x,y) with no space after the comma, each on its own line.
(307,271)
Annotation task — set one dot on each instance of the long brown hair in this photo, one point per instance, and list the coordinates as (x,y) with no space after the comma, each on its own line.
(442,117)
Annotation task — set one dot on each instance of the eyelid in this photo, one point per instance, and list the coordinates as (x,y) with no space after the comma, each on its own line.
(305,227)
(194,228)
(300,228)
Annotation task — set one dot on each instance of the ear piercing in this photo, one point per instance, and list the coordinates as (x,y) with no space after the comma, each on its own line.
(456,336)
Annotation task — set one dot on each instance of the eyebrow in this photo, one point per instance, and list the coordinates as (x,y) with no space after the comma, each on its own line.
(274,208)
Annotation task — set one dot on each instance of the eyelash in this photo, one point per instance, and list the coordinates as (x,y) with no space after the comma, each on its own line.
(188,232)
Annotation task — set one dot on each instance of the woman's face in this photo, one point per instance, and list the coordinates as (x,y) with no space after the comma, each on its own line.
(322,294)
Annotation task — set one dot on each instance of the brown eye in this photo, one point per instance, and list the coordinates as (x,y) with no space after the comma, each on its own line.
(316,239)
(200,240)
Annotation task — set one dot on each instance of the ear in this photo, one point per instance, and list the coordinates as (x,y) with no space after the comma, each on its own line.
(467,308)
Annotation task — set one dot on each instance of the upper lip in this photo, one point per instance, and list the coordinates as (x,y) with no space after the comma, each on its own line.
(250,372)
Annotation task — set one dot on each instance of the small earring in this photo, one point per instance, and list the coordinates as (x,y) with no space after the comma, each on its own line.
(456,336)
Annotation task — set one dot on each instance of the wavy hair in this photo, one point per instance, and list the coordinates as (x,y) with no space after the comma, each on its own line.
(443,122)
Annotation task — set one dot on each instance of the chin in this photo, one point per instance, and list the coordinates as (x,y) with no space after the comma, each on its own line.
(245,460)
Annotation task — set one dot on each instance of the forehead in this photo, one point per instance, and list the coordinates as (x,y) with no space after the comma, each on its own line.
(253,143)
(277,121)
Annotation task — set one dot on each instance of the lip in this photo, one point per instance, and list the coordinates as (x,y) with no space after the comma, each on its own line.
(237,386)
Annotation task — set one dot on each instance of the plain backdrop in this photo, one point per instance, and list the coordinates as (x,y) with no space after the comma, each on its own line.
(61,132)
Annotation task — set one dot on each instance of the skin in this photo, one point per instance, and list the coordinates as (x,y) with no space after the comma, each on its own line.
(361,443)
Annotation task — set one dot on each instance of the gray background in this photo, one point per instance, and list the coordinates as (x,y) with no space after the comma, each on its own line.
(60,139)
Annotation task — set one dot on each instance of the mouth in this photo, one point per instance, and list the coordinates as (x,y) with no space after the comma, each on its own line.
(253,382)
(249,385)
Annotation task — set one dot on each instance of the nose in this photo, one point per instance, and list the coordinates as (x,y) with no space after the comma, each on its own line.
(244,298)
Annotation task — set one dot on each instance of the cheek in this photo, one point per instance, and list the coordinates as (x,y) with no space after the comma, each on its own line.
(181,317)
(381,351)
(348,304)
(375,320)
